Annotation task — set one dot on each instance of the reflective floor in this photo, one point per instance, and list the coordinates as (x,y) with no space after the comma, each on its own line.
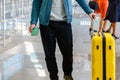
(25,59)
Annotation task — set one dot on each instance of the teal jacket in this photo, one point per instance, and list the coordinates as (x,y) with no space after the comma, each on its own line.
(41,10)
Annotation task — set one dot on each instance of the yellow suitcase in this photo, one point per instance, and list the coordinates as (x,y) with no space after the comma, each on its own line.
(103,57)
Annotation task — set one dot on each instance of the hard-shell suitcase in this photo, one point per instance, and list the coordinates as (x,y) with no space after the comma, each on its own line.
(103,57)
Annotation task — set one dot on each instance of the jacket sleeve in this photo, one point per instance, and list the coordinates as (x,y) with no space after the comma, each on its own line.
(84,6)
(35,11)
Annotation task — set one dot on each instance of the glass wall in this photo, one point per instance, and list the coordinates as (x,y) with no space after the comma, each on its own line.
(14,18)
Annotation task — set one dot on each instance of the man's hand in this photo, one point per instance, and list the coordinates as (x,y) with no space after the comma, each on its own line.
(31,27)
(92,16)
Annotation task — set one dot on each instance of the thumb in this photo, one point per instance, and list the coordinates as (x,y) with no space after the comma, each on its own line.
(31,27)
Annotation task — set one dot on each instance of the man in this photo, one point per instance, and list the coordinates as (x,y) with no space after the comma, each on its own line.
(55,18)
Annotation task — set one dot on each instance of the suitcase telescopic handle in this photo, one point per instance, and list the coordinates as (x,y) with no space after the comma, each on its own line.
(92,25)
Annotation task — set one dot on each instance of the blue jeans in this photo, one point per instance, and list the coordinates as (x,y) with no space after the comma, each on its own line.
(60,32)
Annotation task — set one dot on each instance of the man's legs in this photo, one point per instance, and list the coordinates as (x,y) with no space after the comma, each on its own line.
(65,42)
(49,44)
(63,32)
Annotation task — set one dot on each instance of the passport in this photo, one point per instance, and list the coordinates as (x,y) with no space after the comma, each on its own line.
(35,31)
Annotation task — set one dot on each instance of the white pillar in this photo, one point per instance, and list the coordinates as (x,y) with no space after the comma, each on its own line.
(1,10)
(22,18)
(4,23)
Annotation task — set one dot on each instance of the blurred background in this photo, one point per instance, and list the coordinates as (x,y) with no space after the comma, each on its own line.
(22,56)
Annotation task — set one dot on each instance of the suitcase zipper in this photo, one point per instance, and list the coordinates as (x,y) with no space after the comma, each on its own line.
(104,55)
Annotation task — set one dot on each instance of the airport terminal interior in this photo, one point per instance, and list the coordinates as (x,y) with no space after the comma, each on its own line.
(22,56)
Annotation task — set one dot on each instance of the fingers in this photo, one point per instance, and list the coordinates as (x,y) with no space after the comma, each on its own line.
(92,16)
(99,33)
(31,27)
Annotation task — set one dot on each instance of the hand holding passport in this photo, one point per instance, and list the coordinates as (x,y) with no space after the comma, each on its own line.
(35,31)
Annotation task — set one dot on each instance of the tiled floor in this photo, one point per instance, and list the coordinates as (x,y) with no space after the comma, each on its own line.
(32,62)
